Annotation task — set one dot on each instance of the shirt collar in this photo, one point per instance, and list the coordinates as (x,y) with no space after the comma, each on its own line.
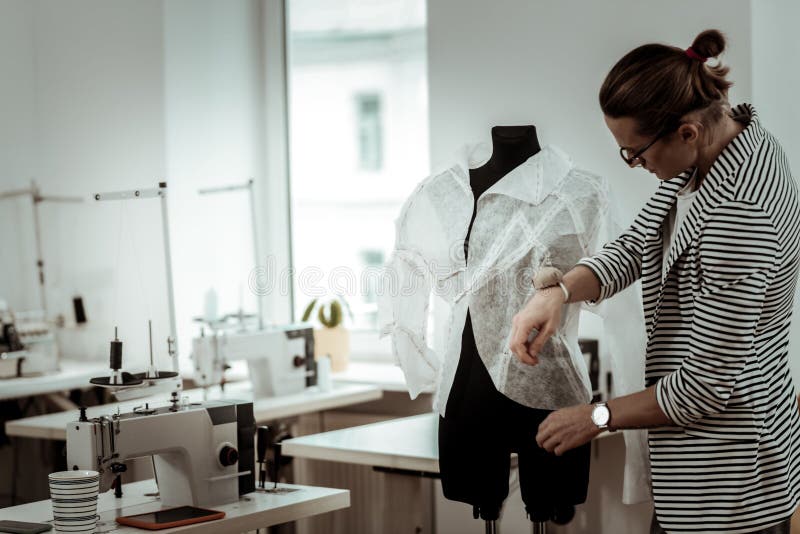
(732,156)
(740,148)
(531,182)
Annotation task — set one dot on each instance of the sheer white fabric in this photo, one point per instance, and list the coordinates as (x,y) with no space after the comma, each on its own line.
(544,212)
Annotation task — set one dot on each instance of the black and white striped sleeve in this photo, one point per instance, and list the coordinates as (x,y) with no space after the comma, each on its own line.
(619,263)
(738,251)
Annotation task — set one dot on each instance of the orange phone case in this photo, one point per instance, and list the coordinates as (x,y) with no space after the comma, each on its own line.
(131,520)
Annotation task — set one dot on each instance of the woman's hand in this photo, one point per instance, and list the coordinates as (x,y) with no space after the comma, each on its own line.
(541,313)
(566,429)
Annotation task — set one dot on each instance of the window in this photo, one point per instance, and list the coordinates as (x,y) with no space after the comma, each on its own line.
(358,144)
(370,143)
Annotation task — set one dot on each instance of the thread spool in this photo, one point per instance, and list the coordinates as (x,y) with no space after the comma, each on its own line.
(117,378)
(115,352)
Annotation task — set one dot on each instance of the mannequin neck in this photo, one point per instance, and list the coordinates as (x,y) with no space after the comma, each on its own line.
(511,147)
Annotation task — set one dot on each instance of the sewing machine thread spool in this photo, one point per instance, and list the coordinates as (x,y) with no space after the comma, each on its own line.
(116,352)
(115,357)
(117,378)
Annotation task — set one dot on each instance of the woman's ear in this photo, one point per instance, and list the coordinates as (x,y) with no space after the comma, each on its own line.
(689,132)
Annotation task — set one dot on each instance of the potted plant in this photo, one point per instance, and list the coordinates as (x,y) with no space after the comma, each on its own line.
(331,337)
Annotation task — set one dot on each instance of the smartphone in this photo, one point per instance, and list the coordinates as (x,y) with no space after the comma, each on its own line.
(170,517)
(18,527)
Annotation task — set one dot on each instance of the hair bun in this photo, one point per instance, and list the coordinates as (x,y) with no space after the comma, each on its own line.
(710,43)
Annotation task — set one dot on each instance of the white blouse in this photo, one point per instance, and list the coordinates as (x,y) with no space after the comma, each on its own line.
(544,212)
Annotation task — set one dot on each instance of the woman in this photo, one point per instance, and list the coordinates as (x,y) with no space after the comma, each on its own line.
(716,248)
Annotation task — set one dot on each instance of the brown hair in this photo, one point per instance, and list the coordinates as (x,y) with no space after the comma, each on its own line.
(657,84)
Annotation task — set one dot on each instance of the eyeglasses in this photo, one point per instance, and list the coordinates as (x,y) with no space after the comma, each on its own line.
(630,157)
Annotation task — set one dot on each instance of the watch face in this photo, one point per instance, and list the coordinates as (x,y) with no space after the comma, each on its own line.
(601,415)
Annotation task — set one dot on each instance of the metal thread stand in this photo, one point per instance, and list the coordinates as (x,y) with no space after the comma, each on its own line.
(36,198)
(249,185)
(159,192)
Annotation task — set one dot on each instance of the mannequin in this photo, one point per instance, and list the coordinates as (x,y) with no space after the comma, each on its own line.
(482,427)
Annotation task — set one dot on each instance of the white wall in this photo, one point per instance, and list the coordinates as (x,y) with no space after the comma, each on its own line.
(17,102)
(542,63)
(100,110)
(776,80)
(103,96)
(214,117)
(17,144)
(87,116)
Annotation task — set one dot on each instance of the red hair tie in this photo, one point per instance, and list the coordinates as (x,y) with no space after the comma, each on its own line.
(694,55)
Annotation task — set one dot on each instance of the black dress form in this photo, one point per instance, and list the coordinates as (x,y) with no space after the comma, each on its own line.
(482,427)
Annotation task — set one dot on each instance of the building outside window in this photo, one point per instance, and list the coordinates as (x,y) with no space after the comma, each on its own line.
(358,136)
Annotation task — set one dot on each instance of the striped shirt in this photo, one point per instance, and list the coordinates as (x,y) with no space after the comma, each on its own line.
(717,338)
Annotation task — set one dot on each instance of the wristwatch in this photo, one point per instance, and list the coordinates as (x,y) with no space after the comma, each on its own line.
(601,415)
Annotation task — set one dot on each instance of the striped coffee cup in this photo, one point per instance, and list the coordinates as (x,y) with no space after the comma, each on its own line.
(74,499)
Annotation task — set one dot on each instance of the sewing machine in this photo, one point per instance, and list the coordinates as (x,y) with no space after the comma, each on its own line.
(280,359)
(203,454)
(27,344)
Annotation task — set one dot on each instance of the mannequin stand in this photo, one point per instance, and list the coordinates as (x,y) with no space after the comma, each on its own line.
(537,527)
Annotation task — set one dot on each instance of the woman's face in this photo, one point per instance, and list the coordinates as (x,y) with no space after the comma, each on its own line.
(667,157)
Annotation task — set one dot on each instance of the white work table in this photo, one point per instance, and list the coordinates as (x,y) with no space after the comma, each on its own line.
(53,426)
(252,511)
(73,374)
(408,443)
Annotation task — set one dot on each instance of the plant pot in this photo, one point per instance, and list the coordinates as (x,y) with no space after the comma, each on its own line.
(336,343)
